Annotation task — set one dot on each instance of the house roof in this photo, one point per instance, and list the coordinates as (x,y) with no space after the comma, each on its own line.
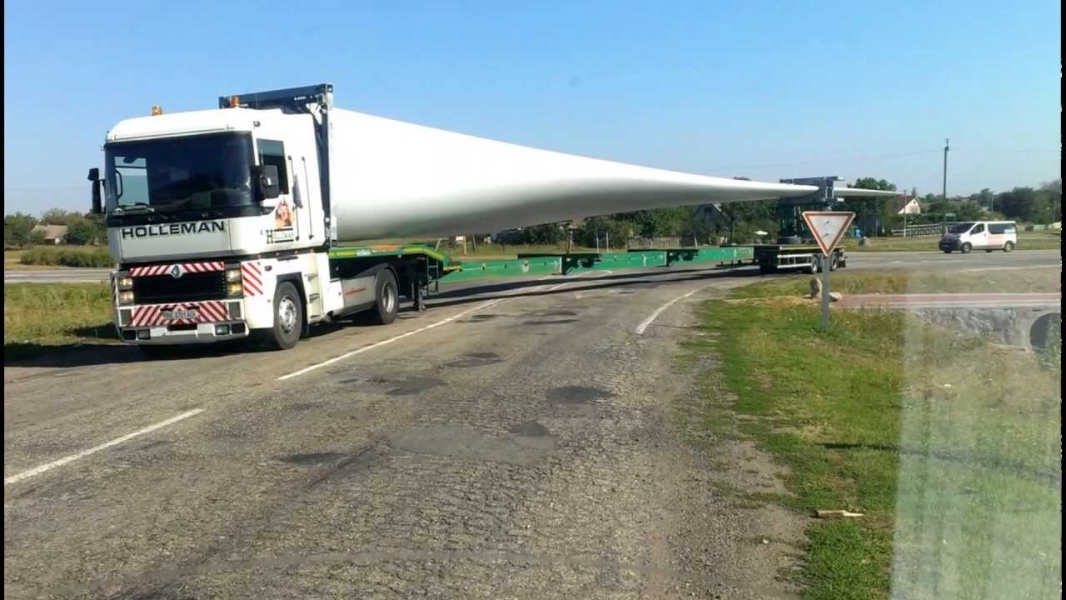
(899,203)
(52,232)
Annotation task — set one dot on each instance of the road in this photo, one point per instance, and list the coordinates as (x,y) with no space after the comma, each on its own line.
(874,260)
(520,439)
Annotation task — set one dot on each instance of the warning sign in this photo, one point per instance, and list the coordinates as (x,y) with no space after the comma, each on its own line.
(828,227)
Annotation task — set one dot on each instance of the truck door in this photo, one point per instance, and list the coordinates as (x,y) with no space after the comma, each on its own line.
(304,192)
(286,221)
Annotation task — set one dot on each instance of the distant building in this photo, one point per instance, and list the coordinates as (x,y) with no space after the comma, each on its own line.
(907,205)
(53,234)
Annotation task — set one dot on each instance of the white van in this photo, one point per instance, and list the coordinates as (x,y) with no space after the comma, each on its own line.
(980,235)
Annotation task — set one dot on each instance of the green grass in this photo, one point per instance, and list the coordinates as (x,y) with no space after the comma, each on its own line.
(1028,240)
(65,256)
(40,318)
(897,282)
(950,447)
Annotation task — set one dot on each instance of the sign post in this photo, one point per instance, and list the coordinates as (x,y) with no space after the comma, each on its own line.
(828,228)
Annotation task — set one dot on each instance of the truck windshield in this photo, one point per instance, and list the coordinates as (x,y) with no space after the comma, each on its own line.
(176,174)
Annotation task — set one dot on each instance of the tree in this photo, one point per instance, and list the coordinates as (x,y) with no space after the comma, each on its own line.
(1024,204)
(58,216)
(82,233)
(17,228)
(874,213)
(544,235)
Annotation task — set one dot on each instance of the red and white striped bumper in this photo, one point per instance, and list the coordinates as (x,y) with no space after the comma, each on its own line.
(183,322)
(185,313)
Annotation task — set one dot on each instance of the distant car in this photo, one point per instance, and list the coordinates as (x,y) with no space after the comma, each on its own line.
(980,235)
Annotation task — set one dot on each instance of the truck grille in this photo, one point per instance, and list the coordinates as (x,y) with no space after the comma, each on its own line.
(189,287)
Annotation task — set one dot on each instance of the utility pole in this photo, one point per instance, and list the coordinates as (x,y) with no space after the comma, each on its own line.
(947,143)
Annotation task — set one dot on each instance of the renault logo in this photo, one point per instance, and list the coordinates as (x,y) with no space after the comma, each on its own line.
(176,271)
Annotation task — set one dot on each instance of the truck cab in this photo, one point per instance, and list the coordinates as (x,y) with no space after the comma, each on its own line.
(211,214)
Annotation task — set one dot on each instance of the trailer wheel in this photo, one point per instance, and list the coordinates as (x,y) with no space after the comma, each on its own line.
(288,317)
(387,297)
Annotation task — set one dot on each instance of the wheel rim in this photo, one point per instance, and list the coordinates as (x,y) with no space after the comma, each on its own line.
(287,314)
(388,299)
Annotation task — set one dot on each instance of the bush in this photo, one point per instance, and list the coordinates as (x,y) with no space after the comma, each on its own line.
(98,258)
(84,232)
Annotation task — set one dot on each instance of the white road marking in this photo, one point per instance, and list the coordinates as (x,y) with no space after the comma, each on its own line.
(114,442)
(566,283)
(315,366)
(658,311)
(481,306)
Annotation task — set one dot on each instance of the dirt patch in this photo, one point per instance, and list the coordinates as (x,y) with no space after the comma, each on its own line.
(775,301)
(758,545)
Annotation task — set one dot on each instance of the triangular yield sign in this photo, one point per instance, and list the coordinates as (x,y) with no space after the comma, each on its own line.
(828,227)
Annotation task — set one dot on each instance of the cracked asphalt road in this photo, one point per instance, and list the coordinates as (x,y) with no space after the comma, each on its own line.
(527,448)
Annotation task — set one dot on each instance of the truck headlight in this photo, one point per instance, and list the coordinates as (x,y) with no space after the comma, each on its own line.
(234,289)
(125,282)
(233,275)
(125,297)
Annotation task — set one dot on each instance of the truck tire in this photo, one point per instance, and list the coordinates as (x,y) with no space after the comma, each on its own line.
(288,317)
(834,262)
(387,298)
(966,248)
(816,265)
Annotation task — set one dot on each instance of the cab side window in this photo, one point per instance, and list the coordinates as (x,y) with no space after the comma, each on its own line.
(979,228)
(273,153)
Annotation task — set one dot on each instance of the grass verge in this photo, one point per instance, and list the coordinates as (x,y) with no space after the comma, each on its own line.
(41,318)
(909,282)
(66,256)
(949,445)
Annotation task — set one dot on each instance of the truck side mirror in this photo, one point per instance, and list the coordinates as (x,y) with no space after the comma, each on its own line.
(268,182)
(98,205)
(97,183)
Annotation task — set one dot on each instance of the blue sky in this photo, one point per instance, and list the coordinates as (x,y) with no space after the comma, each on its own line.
(761,89)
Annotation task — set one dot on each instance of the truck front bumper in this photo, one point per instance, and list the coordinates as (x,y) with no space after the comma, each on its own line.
(185,323)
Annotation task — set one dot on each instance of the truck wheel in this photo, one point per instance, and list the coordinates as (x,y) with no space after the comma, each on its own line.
(387,301)
(834,262)
(288,317)
(816,265)
(1008,246)
(966,248)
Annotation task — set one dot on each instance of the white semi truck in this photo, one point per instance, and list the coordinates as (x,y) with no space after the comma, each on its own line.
(231,222)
